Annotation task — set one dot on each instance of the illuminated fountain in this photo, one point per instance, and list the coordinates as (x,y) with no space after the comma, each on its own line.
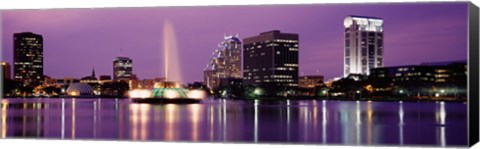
(169,91)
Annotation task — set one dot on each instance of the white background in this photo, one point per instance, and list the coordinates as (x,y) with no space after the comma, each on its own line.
(43,143)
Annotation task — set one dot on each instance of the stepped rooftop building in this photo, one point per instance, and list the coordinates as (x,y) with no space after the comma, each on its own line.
(225,63)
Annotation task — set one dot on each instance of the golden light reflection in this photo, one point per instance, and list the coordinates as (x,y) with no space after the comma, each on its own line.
(73,119)
(133,120)
(144,118)
(139,119)
(369,122)
(170,120)
(194,111)
(24,118)
(211,122)
(4,118)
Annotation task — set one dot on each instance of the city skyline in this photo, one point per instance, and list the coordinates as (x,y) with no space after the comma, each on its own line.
(89,40)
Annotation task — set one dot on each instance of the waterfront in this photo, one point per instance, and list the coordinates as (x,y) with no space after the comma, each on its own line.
(287,121)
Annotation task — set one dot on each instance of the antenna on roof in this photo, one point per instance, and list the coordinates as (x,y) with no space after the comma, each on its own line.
(121,52)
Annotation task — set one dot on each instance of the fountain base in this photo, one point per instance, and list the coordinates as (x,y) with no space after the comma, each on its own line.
(165,100)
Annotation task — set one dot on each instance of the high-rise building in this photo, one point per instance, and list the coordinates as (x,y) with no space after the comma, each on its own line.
(7,70)
(363,44)
(122,68)
(225,63)
(271,59)
(28,58)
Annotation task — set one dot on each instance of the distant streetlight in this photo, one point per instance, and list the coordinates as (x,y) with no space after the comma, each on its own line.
(257,91)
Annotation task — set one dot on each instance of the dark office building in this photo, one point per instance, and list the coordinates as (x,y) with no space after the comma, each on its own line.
(7,70)
(122,68)
(432,79)
(405,74)
(271,60)
(28,58)
(450,73)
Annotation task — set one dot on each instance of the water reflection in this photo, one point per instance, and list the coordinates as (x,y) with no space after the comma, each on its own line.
(324,122)
(4,118)
(401,123)
(441,114)
(338,122)
(73,119)
(139,118)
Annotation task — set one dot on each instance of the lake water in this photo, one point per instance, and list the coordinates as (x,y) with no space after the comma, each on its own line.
(287,121)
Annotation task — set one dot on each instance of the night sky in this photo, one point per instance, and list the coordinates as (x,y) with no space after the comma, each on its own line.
(76,40)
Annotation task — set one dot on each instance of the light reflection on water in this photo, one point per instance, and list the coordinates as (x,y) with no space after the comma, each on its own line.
(309,121)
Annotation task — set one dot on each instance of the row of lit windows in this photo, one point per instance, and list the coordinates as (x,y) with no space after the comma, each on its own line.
(286,41)
(23,63)
(404,69)
(293,49)
(441,75)
(283,80)
(290,65)
(282,76)
(29,39)
(123,65)
(441,70)
(413,79)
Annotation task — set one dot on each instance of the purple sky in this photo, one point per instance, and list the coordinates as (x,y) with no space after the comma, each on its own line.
(75,40)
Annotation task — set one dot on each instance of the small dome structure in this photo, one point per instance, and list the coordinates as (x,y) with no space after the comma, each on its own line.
(79,89)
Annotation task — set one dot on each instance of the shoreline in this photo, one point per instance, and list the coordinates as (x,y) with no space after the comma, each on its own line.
(271,99)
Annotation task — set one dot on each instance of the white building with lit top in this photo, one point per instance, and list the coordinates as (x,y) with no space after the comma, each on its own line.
(363,45)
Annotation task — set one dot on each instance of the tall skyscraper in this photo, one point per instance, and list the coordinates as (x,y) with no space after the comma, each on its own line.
(122,68)
(7,70)
(28,58)
(363,44)
(271,59)
(225,63)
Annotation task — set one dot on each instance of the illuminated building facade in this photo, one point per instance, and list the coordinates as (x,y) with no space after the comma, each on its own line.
(226,62)
(310,81)
(28,58)
(363,44)
(7,70)
(122,68)
(271,60)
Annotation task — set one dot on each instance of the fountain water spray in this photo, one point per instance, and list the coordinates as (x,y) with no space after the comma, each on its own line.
(171,59)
